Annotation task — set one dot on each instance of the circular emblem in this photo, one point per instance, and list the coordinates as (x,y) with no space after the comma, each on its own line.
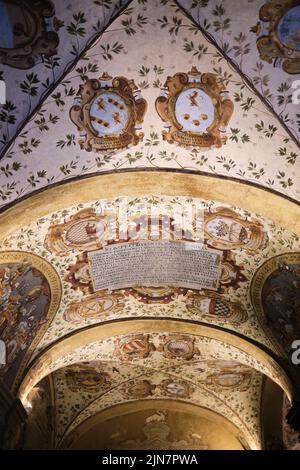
(194,110)
(109,114)
(177,389)
(139,389)
(288,29)
(229,379)
(96,307)
(179,348)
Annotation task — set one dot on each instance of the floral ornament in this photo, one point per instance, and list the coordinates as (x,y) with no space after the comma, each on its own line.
(28,32)
(279,34)
(108,114)
(195,108)
(213,306)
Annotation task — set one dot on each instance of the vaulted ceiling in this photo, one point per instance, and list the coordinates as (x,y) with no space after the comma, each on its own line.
(149,104)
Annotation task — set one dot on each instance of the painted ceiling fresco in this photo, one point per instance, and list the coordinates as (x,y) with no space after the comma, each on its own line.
(262,41)
(128,104)
(210,93)
(85,388)
(41,41)
(64,238)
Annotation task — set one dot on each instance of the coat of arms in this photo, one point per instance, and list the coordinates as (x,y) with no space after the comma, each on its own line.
(195,109)
(28,32)
(212,306)
(84,230)
(179,346)
(226,230)
(94,307)
(108,114)
(279,34)
(133,347)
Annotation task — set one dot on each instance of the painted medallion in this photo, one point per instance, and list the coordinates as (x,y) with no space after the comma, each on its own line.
(28,32)
(278,34)
(109,114)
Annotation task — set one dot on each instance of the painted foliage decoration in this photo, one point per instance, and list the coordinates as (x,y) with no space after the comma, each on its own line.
(279,34)
(26,166)
(28,32)
(211,304)
(30,295)
(226,230)
(275,293)
(108,114)
(195,108)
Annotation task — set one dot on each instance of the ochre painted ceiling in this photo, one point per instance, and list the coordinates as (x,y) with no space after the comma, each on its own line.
(149,104)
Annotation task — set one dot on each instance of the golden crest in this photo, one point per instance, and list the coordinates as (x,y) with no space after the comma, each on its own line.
(133,347)
(226,230)
(108,114)
(28,32)
(180,346)
(84,231)
(279,34)
(94,307)
(195,109)
(213,306)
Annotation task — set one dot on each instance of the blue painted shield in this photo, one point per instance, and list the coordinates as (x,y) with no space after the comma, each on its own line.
(288,29)
(109,114)
(194,110)
(17,26)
